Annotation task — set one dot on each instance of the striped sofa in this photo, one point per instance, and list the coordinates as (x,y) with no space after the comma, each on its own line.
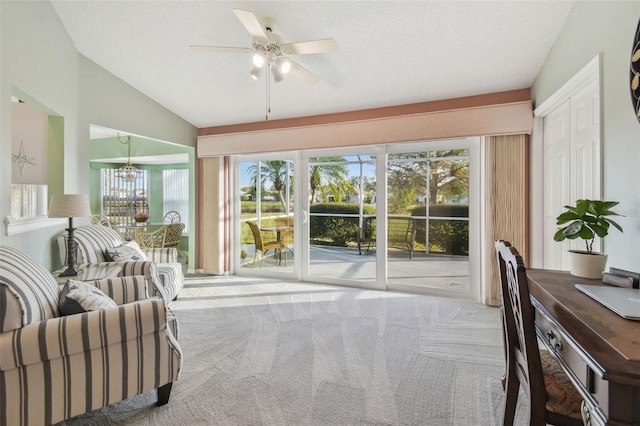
(54,367)
(93,242)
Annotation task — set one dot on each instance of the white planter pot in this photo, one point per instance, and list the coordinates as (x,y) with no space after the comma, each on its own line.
(587,265)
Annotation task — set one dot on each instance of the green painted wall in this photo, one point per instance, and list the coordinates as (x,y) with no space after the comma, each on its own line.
(142,147)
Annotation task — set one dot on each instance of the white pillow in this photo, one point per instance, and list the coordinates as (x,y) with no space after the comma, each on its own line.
(77,297)
(127,252)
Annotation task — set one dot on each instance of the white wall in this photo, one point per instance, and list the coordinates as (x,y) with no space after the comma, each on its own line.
(606,28)
(38,57)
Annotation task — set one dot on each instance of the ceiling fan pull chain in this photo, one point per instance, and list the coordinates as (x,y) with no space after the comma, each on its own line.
(268,95)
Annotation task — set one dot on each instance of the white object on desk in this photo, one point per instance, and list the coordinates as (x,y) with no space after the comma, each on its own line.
(623,301)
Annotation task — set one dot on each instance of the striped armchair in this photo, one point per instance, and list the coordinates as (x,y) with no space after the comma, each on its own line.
(55,367)
(94,241)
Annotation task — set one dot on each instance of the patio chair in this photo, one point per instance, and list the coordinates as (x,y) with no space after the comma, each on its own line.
(284,230)
(262,246)
(552,397)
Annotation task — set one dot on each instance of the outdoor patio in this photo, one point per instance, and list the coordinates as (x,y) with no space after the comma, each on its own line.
(424,270)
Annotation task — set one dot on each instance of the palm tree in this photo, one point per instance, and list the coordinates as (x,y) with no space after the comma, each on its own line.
(331,178)
(272,171)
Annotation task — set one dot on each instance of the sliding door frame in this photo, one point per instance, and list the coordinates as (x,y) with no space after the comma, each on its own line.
(301,213)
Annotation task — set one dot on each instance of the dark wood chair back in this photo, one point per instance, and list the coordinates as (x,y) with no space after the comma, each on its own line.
(524,366)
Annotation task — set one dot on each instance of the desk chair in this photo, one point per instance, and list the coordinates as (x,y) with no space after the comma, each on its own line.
(552,397)
(261,245)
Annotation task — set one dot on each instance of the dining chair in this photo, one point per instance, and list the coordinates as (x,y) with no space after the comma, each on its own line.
(171,217)
(98,219)
(166,236)
(552,397)
(262,246)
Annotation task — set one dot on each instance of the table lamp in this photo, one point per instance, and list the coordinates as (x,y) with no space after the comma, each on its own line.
(70,205)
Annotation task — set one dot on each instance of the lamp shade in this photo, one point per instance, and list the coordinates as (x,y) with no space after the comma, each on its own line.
(69,205)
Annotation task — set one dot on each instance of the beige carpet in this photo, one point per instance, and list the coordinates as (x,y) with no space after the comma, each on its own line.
(264,352)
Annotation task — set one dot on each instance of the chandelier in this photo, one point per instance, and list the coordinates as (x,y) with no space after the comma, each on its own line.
(128,173)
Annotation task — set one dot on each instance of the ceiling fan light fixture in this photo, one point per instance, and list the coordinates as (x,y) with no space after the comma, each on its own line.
(255,73)
(258,60)
(277,74)
(283,65)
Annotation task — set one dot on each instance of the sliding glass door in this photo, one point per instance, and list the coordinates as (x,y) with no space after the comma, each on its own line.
(342,199)
(428,204)
(264,206)
(402,216)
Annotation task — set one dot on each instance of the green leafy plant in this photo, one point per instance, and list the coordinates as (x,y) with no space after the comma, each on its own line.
(585,220)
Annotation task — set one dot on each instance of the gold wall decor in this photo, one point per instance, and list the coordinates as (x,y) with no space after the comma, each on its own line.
(634,73)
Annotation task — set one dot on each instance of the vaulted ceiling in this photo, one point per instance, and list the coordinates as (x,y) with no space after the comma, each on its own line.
(389,52)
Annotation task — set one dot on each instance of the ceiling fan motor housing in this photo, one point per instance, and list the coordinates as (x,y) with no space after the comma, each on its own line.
(271,50)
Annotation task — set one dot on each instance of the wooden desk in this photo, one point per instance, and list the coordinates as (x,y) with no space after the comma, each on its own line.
(599,350)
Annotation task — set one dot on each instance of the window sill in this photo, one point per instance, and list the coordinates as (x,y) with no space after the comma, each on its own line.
(18,226)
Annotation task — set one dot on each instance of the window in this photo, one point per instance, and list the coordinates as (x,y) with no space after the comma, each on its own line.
(28,200)
(175,193)
(122,200)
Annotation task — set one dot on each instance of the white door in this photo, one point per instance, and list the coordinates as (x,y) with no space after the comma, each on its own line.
(557,180)
(572,166)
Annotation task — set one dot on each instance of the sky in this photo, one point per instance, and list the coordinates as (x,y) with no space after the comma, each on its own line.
(354,170)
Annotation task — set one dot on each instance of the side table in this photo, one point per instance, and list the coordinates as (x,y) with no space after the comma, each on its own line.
(89,273)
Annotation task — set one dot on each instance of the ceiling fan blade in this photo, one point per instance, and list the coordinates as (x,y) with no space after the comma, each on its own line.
(300,71)
(221,49)
(312,46)
(250,81)
(250,22)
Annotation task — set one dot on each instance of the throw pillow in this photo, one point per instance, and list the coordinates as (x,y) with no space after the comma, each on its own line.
(77,297)
(127,252)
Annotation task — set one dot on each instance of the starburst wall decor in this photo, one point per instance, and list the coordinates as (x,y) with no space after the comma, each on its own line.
(22,158)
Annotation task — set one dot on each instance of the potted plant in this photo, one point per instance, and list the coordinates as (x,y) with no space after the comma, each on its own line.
(586,220)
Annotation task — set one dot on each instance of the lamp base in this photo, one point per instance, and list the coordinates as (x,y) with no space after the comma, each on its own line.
(72,268)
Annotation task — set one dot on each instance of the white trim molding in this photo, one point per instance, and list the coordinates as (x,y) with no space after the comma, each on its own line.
(18,226)
(588,74)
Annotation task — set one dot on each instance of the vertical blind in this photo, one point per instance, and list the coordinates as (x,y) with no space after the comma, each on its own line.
(121,200)
(175,193)
(508,203)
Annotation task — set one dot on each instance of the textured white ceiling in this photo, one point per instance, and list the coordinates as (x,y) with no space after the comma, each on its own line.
(389,52)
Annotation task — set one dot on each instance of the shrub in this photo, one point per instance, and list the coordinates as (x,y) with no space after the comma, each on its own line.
(445,236)
(337,230)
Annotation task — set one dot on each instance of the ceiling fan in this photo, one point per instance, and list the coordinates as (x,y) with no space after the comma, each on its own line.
(271,53)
